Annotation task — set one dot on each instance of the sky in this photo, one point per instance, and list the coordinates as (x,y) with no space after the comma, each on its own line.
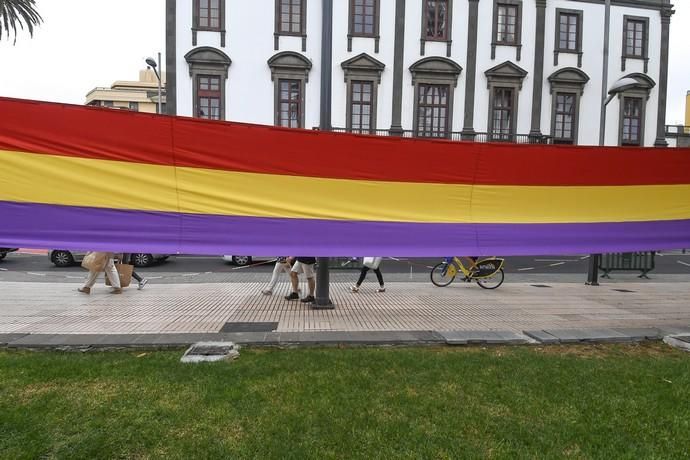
(88,43)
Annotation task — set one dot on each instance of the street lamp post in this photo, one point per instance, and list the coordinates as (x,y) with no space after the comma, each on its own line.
(593,268)
(155,66)
(622,84)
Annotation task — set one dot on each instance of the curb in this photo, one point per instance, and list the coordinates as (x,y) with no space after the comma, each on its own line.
(344,338)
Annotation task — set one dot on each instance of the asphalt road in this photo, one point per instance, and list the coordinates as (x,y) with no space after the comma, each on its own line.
(673,262)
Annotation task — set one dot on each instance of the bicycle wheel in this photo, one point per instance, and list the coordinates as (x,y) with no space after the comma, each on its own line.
(491,282)
(440,276)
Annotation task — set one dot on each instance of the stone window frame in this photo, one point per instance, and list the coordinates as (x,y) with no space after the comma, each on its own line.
(362,68)
(289,65)
(435,70)
(449,30)
(303,25)
(351,32)
(199,97)
(567,80)
(206,60)
(447,129)
(645,45)
(372,107)
(643,113)
(280,101)
(505,75)
(518,28)
(556,47)
(643,93)
(197,28)
(572,140)
(500,137)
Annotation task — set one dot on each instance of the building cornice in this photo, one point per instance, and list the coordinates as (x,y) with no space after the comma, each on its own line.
(661,5)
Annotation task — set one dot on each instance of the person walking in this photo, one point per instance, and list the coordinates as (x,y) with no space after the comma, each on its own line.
(101,261)
(303,265)
(368,263)
(127,259)
(283,264)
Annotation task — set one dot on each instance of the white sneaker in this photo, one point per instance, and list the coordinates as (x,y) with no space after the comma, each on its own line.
(267,292)
(354,288)
(142,283)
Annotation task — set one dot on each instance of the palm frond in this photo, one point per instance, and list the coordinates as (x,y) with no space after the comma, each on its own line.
(20,13)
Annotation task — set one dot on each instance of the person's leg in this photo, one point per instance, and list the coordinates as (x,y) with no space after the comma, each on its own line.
(294,279)
(113,276)
(379,276)
(90,281)
(362,275)
(277,270)
(308,270)
(127,259)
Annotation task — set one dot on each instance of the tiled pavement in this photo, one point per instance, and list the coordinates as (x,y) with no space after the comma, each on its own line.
(45,314)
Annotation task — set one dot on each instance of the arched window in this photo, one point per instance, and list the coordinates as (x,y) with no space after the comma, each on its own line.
(504,82)
(567,85)
(290,73)
(434,80)
(362,77)
(208,68)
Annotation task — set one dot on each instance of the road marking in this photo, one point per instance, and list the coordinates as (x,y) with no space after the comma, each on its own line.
(525,269)
(556,260)
(584,257)
(190,274)
(683,263)
(154,277)
(74,277)
(556,264)
(35,274)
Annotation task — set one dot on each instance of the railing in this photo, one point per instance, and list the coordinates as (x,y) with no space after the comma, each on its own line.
(634,261)
(459,136)
(677,130)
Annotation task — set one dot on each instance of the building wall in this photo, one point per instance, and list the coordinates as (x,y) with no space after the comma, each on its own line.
(249,44)
(363,45)
(633,65)
(687,109)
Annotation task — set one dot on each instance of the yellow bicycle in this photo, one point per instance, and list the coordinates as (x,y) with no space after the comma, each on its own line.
(487,273)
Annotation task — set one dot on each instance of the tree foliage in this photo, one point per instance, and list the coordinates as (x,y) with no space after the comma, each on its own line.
(20,13)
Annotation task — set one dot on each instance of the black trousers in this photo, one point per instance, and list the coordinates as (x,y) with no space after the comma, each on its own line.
(127,259)
(363,275)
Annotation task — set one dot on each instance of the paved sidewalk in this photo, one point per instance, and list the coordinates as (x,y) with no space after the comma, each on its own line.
(42,314)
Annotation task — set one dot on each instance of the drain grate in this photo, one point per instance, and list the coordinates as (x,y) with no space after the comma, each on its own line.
(210,352)
(541,285)
(624,290)
(249,327)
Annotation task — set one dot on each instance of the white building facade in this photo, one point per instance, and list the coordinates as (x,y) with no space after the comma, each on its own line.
(496,70)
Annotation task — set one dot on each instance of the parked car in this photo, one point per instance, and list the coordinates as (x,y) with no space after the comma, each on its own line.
(4,251)
(245,260)
(65,258)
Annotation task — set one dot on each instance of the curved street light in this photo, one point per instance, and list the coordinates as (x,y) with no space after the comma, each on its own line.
(155,66)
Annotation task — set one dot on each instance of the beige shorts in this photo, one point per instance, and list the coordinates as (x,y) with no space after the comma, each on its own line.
(307,269)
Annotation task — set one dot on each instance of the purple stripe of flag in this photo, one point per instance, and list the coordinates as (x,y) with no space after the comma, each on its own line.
(65,227)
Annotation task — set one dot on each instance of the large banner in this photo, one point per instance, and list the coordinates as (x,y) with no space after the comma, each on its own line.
(77,177)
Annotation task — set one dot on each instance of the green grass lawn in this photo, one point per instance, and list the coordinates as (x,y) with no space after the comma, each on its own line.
(616,401)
